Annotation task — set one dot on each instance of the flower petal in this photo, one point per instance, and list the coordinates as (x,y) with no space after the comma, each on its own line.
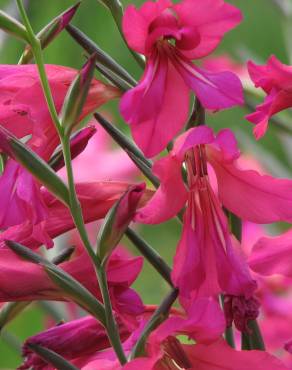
(272,255)
(151,108)
(216,90)
(211,18)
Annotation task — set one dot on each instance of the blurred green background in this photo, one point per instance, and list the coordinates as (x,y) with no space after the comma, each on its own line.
(261,34)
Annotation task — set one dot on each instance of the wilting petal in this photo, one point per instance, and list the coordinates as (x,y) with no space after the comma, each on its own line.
(211,19)
(219,355)
(253,197)
(272,255)
(151,108)
(215,90)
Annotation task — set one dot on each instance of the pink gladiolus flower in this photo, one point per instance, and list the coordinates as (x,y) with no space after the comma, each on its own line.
(275,79)
(165,351)
(71,340)
(170,36)
(24,281)
(206,245)
(23,111)
(96,199)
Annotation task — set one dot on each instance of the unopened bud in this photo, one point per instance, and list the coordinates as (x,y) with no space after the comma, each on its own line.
(76,95)
(117,221)
(50,32)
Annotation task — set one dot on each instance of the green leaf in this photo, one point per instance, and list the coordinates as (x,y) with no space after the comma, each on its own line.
(12,26)
(50,32)
(121,139)
(102,57)
(10,310)
(51,357)
(34,164)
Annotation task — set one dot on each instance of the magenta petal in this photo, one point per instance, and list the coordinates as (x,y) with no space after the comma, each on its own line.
(216,90)
(253,197)
(272,255)
(205,322)
(151,108)
(170,197)
(219,355)
(211,18)
(21,198)
(191,138)
(275,102)
(136,22)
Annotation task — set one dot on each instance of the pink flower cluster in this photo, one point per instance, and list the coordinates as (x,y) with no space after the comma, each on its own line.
(223,282)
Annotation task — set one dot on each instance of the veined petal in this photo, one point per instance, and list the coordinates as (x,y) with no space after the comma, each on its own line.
(151,108)
(251,196)
(216,90)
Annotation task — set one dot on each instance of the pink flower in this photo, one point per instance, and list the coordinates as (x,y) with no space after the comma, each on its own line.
(24,281)
(170,36)
(164,350)
(275,79)
(96,199)
(70,340)
(208,260)
(23,111)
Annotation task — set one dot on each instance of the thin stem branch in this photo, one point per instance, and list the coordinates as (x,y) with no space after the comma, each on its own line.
(150,254)
(157,318)
(112,327)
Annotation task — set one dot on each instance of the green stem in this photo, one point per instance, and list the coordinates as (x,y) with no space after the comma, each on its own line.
(38,55)
(229,336)
(150,254)
(111,325)
(75,207)
(157,318)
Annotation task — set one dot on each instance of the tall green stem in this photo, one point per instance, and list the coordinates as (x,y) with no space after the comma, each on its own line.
(74,204)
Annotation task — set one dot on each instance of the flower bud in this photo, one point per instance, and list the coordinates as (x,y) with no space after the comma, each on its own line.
(76,95)
(50,32)
(117,221)
(77,144)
